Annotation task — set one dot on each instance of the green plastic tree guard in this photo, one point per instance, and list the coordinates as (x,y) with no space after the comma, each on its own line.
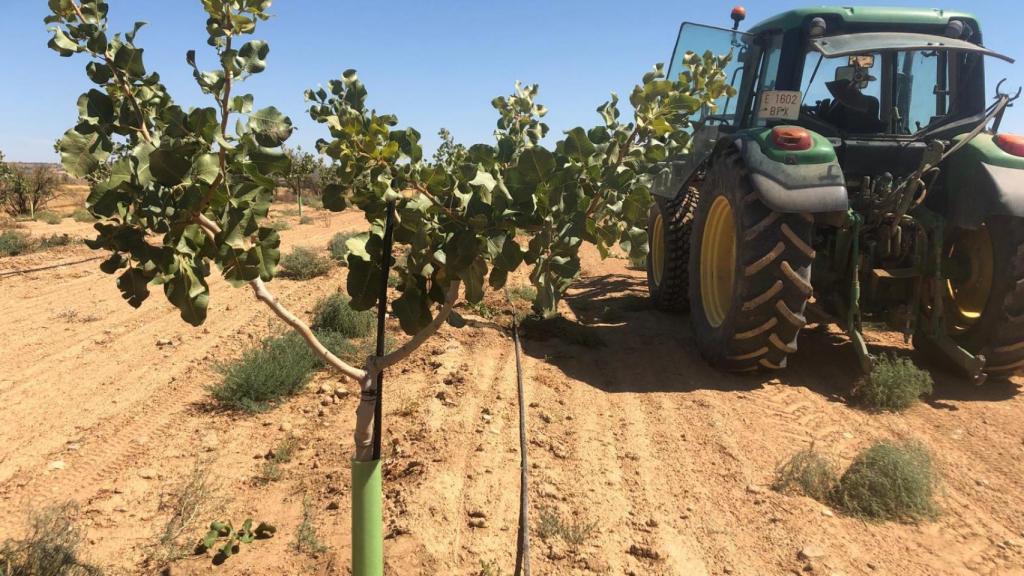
(367,519)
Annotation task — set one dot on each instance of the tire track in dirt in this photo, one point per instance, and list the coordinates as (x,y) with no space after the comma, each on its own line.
(461,478)
(614,475)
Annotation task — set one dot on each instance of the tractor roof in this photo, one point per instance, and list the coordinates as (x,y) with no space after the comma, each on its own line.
(861,15)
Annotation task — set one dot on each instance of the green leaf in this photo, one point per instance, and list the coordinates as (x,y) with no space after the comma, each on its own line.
(497,278)
(536,164)
(363,283)
(130,36)
(473,279)
(129,59)
(264,530)
(134,286)
(113,264)
(98,73)
(245,534)
(169,166)
(334,197)
(270,127)
(578,145)
(455,320)
(206,168)
(412,309)
(209,539)
(187,290)
(267,252)
(242,104)
(252,57)
(511,255)
(80,154)
(61,44)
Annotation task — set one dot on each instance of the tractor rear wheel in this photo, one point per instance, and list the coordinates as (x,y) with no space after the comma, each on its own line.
(668,255)
(984,296)
(751,272)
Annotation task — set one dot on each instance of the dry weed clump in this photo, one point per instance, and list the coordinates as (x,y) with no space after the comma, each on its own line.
(889,481)
(304,263)
(197,496)
(894,384)
(51,547)
(307,540)
(280,368)
(334,314)
(808,472)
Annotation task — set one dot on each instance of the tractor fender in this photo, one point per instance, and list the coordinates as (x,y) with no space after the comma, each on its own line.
(794,181)
(983,180)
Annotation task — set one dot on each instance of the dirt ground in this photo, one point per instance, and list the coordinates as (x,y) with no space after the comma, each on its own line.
(665,462)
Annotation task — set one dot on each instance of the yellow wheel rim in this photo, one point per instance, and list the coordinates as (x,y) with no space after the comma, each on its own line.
(967,295)
(718,262)
(658,249)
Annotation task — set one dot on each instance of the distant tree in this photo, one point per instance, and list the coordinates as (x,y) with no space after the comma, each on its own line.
(303,174)
(26,189)
(449,153)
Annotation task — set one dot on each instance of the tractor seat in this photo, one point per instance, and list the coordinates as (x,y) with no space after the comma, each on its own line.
(855,113)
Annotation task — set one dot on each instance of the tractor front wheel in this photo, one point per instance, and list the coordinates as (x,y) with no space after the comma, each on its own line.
(750,270)
(668,255)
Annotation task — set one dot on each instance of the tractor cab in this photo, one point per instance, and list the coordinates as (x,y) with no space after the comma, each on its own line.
(863,71)
(857,172)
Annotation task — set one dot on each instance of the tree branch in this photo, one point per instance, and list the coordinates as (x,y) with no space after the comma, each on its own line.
(375,365)
(365,411)
(419,188)
(120,82)
(264,295)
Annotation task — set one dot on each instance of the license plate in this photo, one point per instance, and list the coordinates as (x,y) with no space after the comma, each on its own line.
(779,105)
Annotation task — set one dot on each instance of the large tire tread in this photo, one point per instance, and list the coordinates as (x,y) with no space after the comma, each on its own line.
(773,274)
(672,294)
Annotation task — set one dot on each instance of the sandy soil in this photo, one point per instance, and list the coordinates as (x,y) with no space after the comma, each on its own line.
(661,455)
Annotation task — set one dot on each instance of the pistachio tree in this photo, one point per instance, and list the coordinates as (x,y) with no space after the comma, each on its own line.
(181,192)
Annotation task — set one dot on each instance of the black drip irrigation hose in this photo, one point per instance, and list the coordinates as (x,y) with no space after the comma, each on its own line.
(523,539)
(50,267)
(382,310)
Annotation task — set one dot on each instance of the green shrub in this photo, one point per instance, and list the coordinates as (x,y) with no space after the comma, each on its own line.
(889,481)
(337,248)
(807,472)
(53,241)
(49,217)
(280,225)
(82,215)
(306,538)
(197,495)
(523,292)
(894,384)
(574,532)
(13,243)
(313,202)
(334,314)
(50,549)
(279,368)
(306,220)
(304,263)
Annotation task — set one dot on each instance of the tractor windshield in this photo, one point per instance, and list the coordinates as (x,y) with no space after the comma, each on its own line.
(891,83)
(894,92)
(698,38)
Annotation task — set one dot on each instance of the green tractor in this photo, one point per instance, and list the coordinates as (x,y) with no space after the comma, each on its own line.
(857,175)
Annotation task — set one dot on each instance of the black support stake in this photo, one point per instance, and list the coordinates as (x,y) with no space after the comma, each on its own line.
(382,311)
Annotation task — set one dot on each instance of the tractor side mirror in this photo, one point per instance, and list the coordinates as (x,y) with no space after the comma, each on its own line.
(853,75)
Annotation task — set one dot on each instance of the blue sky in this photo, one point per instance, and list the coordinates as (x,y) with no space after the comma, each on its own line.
(433,64)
